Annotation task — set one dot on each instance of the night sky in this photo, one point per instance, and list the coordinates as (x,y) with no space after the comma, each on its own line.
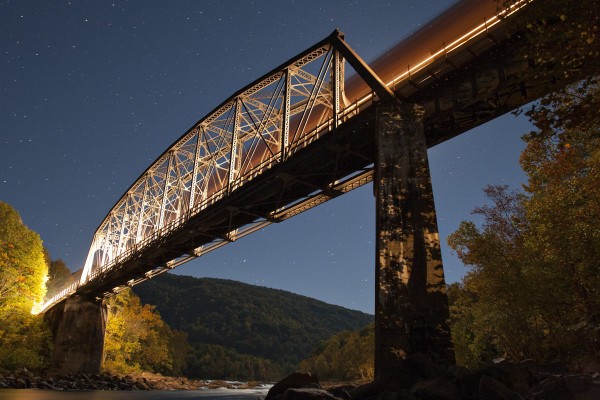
(92,92)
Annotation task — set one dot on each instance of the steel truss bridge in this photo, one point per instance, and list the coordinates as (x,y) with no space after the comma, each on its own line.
(298,136)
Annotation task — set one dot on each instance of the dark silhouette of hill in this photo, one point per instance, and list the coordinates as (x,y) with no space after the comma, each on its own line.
(244,331)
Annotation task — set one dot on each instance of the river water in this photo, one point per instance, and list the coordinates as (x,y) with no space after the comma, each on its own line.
(207,394)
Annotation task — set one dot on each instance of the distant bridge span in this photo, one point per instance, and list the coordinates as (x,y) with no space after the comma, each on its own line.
(303,134)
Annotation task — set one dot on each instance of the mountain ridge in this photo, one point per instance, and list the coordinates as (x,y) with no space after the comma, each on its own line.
(254,327)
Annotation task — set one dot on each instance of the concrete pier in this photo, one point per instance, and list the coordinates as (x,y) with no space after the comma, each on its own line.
(78,325)
(411,306)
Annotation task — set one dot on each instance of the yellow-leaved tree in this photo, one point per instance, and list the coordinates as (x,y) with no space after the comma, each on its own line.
(137,339)
(25,341)
(347,356)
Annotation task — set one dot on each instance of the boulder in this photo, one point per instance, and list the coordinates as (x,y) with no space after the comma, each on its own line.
(551,388)
(578,383)
(308,394)
(518,377)
(435,389)
(23,372)
(46,385)
(491,389)
(399,395)
(20,384)
(570,387)
(296,380)
(467,382)
(342,392)
(368,390)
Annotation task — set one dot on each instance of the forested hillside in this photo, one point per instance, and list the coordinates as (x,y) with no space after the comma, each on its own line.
(244,331)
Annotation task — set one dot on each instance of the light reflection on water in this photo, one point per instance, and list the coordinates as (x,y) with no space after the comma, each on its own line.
(217,394)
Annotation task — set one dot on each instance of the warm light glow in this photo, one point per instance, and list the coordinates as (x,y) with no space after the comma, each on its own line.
(37,308)
(38,305)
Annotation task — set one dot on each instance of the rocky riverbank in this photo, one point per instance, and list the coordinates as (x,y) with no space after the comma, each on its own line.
(502,381)
(24,379)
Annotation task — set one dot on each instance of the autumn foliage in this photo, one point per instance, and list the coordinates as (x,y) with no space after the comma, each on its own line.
(347,356)
(25,340)
(532,289)
(137,339)
(533,284)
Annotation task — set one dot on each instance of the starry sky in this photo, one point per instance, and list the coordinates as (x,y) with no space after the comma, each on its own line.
(92,92)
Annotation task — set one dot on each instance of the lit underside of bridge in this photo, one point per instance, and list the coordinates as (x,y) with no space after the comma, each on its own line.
(291,140)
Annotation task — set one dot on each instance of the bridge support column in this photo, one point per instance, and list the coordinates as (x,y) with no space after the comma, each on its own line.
(411,307)
(78,325)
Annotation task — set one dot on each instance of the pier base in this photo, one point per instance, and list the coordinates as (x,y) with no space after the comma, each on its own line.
(78,325)
(411,306)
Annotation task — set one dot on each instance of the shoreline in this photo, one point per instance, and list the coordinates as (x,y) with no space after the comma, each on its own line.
(24,379)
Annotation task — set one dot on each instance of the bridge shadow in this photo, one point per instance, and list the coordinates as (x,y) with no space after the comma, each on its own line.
(411,304)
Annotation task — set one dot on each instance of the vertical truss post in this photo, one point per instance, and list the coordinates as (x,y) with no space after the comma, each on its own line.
(196,166)
(138,231)
(163,203)
(124,219)
(89,261)
(336,80)
(103,248)
(233,157)
(110,252)
(285,133)
(411,306)
(179,187)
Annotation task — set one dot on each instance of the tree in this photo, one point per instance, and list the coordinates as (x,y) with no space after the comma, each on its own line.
(23,269)
(25,341)
(214,361)
(495,299)
(471,346)
(563,37)
(562,160)
(137,339)
(347,356)
(59,276)
(533,287)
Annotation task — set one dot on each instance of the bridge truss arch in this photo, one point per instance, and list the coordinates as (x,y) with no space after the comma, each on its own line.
(256,128)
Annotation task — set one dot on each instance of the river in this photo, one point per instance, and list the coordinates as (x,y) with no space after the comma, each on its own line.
(207,394)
